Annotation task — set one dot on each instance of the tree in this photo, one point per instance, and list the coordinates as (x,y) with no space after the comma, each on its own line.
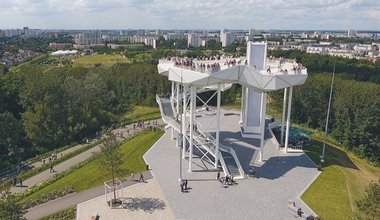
(369,206)
(11,139)
(111,158)
(10,209)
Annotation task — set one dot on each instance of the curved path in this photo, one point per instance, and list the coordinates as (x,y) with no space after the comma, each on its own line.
(39,178)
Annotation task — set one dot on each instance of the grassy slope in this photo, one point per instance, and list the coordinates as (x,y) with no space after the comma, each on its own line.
(342,182)
(90,175)
(107,60)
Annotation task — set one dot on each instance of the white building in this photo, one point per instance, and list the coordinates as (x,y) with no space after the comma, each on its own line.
(151,41)
(193,40)
(226,37)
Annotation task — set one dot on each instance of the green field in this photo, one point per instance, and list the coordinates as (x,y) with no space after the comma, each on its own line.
(341,183)
(90,175)
(106,60)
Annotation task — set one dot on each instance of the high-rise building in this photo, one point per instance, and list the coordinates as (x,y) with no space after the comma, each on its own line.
(89,38)
(193,40)
(226,37)
(151,41)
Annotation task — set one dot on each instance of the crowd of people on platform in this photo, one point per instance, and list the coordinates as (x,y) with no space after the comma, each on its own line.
(203,64)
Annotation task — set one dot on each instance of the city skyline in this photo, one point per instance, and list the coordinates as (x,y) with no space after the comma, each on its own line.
(170,14)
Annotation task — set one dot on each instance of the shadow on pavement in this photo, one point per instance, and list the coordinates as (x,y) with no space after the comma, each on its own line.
(145,204)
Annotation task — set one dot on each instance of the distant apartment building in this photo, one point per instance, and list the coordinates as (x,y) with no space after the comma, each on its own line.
(206,39)
(151,41)
(32,32)
(13,32)
(321,50)
(60,45)
(193,40)
(364,47)
(227,38)
(88,38)
(351,33)
(174,36)
(159,33)
(251,34)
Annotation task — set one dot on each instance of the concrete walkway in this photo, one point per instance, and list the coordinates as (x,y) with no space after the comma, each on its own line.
(39,178)
(76,198)
(280,177)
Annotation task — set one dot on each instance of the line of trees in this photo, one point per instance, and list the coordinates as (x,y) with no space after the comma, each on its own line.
(355,111)
(44,107)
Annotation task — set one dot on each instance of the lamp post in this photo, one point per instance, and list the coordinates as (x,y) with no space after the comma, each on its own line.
(327,117)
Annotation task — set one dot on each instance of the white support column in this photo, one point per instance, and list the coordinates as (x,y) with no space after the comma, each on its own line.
(184,123)
(242,99)
(263,106)
(288,119)
(172,93)
(246,96)
(192,103)
(283,116)
(217,128)
(177,107)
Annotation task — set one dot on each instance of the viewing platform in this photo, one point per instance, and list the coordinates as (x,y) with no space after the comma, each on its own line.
(277,74)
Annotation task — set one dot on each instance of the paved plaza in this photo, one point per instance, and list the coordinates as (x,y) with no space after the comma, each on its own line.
(280,177)
(146,201)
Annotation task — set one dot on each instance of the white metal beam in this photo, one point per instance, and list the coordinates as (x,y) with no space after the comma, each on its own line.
(288,119)
(217,128)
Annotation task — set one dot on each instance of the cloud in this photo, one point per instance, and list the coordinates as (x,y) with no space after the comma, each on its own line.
(194,14)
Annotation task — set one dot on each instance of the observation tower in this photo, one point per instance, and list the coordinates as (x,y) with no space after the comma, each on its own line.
(257,75)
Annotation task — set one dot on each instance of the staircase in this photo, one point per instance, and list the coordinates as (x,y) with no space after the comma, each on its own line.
(204,141)
(230,162)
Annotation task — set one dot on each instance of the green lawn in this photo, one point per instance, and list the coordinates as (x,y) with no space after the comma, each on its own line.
(107,60)
(342,182)
(90,175)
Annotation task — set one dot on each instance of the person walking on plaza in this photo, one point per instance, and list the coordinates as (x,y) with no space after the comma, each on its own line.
(20,180)
(218,175)
(141,178)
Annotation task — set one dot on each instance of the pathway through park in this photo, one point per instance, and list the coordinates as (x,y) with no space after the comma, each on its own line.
(39,178)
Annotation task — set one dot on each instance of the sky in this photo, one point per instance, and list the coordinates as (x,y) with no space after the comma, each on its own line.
(191,14)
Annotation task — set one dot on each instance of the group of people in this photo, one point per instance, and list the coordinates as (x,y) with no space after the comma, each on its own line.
(251,172)
(54,156)
(299,210)
(225,181)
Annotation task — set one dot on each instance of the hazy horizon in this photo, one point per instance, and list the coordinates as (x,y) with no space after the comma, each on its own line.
(189,15)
